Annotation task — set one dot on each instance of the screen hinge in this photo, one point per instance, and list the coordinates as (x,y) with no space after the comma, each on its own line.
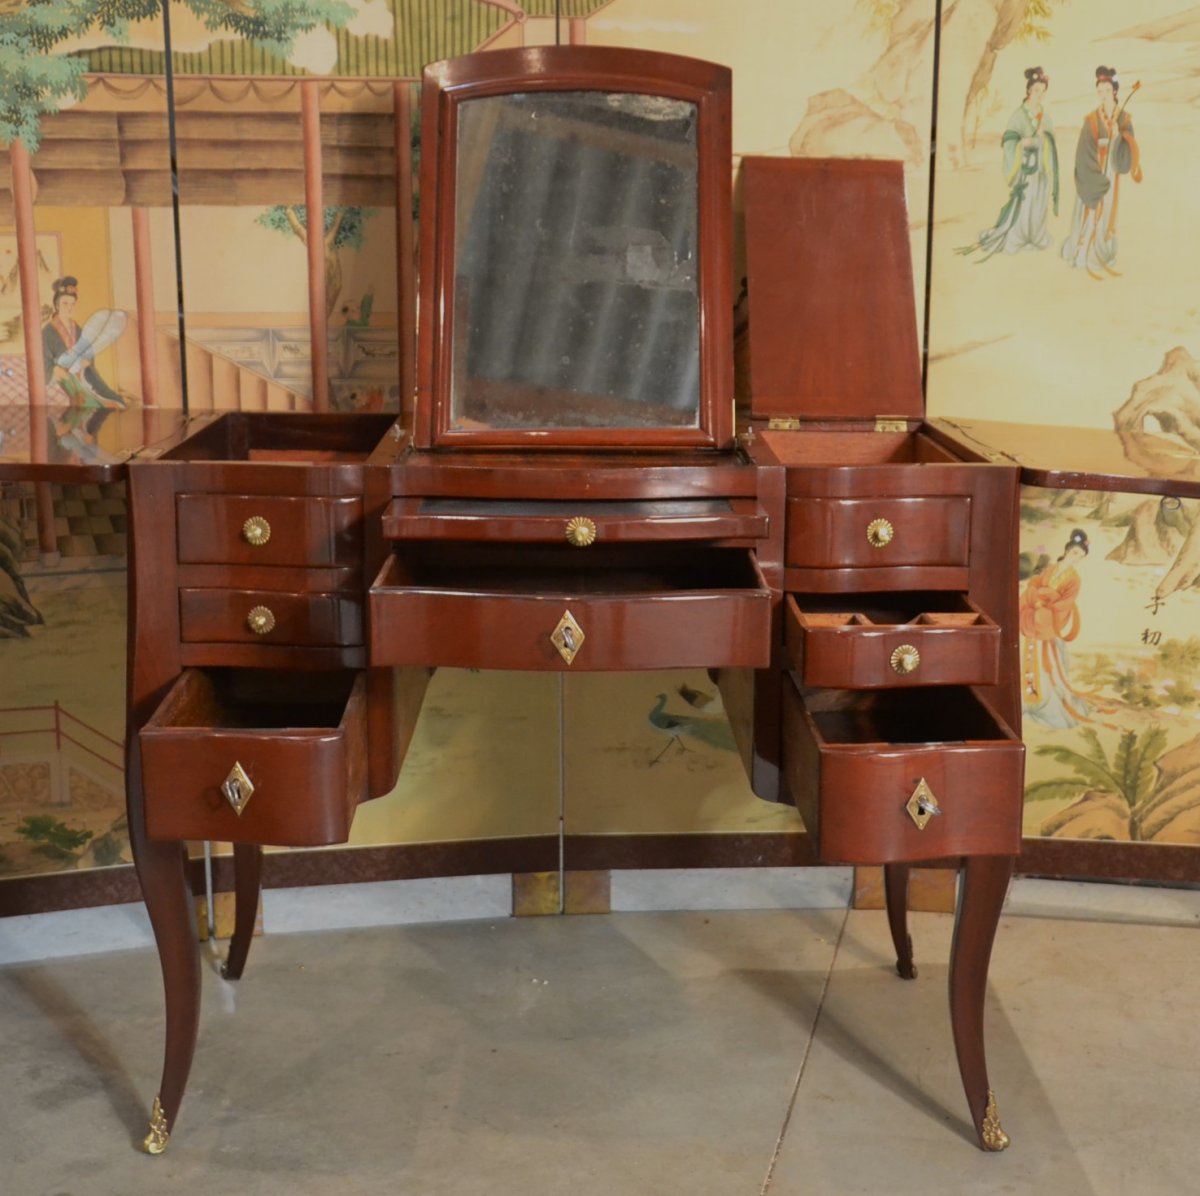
(885,423)
(784,423)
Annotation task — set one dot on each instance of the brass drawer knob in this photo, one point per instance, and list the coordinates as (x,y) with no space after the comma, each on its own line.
(581,531)
(922,806)
(880,533)
(905,659)
(260,620)
(256,531)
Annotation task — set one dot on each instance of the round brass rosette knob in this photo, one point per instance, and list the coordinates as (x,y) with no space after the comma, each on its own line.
(256,531)
(581,531)
(260,620)
(880,533)
(905,659)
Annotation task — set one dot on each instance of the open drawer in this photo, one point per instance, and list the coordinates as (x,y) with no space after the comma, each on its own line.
(890,777)
(873,641)
(540,608)
(255,756)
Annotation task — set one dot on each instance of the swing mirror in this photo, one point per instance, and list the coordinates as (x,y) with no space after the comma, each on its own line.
(575,276)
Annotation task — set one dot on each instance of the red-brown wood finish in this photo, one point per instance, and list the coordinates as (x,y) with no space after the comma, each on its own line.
(470,564)
(831,367)
(301,531)
(545,522)
(307,779)
(628,620)
(192,573)
(852,792)
(850,650)
(447,85)
(832,533)
(224,616)
(833,328)
(247,867)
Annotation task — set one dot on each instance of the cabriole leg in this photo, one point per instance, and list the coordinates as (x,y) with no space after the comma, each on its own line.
(247,881)
(895,888)
(162,869)
(984,884)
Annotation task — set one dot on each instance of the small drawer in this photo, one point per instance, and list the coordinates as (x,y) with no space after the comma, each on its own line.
(268,617)
(876,533)
(578,523)
(244,529)
(856,762)
(300,742)
(872,642)
(637,607)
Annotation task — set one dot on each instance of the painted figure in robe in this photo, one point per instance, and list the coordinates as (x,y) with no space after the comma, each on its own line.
(70,353)
(1105,151)
(1030,162)
(1049,621)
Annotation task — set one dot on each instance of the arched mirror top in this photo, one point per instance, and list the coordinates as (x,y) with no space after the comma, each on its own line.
(575,241)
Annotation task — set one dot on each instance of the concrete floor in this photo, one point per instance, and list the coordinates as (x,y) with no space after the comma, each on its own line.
(660,1053)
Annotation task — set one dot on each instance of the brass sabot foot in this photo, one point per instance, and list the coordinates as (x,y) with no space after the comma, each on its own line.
(156,1140)
(993,1135)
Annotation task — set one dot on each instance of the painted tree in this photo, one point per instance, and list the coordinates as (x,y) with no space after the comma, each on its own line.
(1112,795)
(37,77)
(344,228)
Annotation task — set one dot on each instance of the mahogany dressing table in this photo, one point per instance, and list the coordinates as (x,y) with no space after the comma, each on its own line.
(570,491)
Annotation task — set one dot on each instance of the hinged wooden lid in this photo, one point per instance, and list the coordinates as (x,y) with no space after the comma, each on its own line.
(832,318)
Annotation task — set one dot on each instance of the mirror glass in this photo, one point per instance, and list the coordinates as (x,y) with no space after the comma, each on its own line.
(576,298)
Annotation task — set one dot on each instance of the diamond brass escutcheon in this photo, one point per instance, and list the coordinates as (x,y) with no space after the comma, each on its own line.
(905,659)
(567,637)
(922,806)
(256,531)
(237,788)
(261,620)
(880,533)
(581,531)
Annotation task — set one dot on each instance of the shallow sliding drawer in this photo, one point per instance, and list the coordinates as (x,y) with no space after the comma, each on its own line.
(507,607)
(250,756)
(870,641)
(894,776)
(577,523)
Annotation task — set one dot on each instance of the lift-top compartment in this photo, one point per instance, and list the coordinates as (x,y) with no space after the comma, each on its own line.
(899,545)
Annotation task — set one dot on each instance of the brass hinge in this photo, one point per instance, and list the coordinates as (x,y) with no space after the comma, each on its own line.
(784,423)
(885,424)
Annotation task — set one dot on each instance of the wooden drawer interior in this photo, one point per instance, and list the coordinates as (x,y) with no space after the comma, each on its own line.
(282,437)
(863,641)
(827,447)
(638,606)
(299,739)
(854,760)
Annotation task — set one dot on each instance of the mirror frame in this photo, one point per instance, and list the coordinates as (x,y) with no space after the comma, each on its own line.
(574,68)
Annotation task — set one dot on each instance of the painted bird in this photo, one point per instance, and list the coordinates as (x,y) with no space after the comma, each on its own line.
(713,731)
